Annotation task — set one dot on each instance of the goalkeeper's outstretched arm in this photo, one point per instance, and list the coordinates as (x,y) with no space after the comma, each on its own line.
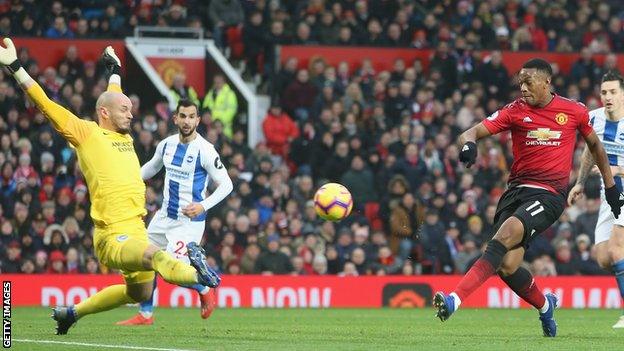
(71,127)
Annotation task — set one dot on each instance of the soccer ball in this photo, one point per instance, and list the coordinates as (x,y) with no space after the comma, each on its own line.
(333,202)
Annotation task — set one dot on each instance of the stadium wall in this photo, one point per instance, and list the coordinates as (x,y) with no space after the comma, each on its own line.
(320,291)
(48,52)
(383,58)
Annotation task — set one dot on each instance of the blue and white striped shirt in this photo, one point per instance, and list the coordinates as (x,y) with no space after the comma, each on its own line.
(611,133)
(187,171)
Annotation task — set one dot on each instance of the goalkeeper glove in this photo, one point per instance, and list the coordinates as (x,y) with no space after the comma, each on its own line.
(8,56)
(111,61)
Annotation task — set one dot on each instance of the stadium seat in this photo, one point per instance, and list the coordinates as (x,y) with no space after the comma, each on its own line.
(235,41)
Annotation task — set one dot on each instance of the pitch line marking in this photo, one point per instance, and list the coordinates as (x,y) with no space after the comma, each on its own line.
(126,347)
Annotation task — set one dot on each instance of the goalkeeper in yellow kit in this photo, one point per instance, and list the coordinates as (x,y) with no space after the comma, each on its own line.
(111,169)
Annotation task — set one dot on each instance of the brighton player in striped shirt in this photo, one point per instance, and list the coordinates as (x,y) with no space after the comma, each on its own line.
(190,161)
(608,125)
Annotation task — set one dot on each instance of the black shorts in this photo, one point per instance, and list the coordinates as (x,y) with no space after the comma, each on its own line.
(537,209)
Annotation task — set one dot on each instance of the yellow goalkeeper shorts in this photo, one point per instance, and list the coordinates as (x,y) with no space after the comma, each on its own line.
(121,246)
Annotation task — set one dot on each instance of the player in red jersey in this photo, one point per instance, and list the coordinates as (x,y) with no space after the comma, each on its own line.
(543,126)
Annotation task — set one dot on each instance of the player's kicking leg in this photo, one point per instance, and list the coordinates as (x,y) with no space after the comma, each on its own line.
(520,281)
(509,235)
(538,209)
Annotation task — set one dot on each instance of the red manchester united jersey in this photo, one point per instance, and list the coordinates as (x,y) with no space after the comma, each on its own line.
(543,140)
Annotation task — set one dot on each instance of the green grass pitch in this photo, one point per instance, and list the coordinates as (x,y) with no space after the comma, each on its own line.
(329,329)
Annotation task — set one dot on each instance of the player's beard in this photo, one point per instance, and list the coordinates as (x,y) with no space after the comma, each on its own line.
(529,100)
(123,130)
(186,134)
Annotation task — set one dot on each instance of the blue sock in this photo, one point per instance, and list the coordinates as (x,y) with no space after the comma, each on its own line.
(147,307)
(618,270)
(197,287)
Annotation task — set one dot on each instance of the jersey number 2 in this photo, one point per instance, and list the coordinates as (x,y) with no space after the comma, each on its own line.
(179,246)
(538,210)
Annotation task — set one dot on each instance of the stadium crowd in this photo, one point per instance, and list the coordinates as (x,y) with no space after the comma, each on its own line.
(388,136)
(260,25)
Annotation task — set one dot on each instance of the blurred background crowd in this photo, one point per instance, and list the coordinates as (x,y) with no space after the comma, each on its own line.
(388,136)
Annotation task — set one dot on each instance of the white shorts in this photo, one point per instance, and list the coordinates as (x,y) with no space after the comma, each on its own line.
(606,221)
(172,235)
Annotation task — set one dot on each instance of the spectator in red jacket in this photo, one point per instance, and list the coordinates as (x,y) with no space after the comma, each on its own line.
(279,130)
(57,262)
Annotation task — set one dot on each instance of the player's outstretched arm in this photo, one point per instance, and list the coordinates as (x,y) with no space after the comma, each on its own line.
(612,194)
(153,166)
(71,127)
(467,143)
(218,173)
(113,66)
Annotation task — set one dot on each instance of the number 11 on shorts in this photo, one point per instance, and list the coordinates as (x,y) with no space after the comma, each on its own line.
(534,205)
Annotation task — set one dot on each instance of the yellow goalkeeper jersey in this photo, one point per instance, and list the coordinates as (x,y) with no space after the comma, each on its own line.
(107,160)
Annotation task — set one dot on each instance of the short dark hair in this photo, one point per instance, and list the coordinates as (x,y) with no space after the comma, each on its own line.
(185,103)
(613,75)
(540,65)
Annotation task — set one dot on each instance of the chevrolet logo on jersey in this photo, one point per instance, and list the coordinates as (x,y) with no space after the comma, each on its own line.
(543,137)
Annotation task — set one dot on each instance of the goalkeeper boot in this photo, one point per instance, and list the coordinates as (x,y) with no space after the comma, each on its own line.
(65,317)
(205,275)
(549,326)
(445,305)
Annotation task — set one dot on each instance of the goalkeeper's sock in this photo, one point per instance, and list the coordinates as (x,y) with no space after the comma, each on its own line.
(482,270)
(523,284)
(618,270)
(146,308)
(172,270)
(104,300)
